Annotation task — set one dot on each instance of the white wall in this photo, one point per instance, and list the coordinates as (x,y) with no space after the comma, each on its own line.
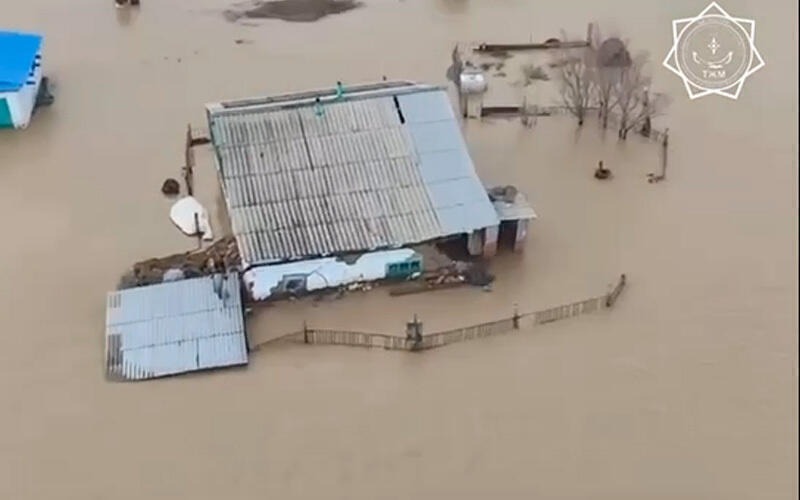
(323,273)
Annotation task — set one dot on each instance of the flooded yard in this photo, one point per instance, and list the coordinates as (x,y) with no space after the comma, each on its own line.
(687,388)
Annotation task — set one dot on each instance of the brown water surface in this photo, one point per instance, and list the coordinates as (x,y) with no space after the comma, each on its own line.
(687,389)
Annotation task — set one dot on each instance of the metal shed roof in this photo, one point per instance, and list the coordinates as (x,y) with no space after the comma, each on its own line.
(175,327)
(17,54)
(385,166)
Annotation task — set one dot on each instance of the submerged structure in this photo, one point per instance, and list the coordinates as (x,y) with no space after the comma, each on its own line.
(20,77)
(323,187)
(175,327)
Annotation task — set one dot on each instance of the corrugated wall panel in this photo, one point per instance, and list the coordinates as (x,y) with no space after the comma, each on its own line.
(175,327)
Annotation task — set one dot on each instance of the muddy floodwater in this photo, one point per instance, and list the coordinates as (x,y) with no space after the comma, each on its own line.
(686,389)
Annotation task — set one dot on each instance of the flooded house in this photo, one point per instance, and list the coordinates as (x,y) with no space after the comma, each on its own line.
(336,186)
(20,77)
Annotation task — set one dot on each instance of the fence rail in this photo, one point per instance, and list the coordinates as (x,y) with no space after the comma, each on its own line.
(468,333)
(320,336)
(654,135)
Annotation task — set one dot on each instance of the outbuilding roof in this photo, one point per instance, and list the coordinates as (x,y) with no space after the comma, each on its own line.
(175,327)
(17,54)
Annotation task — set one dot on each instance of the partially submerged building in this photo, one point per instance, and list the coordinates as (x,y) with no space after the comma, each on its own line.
(20,77)
(175,327)
(326,187)
(512,78)
(322,189)
(515,214)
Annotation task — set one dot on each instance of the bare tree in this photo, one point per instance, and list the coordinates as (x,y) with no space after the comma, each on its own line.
(607,58)
(633,100)
(605,81)
(576,83)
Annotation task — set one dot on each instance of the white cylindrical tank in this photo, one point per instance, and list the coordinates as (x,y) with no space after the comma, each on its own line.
(473,82)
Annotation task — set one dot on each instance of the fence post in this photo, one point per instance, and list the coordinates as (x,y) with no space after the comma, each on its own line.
(515,318)
(414,332)
(612,297)
(305,333)
(197,230)
(188,158)
(664,145)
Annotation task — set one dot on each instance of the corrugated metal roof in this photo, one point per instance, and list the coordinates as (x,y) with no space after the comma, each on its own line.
(17,54)
(382,168)
(175,327)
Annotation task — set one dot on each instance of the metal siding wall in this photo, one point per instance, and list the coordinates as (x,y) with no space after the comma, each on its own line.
(6,121)
(174,327)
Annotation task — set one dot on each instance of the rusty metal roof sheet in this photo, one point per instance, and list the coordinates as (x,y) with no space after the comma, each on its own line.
(384,167)
(175,327)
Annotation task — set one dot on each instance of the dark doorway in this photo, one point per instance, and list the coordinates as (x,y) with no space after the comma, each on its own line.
(455,248)
(507,236)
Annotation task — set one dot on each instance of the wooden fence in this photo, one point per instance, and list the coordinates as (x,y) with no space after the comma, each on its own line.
(194,137)
(654,135)
(320,336)
(323,336)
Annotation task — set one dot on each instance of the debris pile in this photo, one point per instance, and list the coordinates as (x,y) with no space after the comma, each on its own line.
(44,97)
(475,274)
(171,187)
(602,172)
(502,193)
(613,54)
(458,274)
(220,256)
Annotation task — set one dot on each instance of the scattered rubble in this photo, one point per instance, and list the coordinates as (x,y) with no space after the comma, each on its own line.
(171,187)
(502,193)
(458,274)
(478,276)
(531,73)
(220,256)
(174,275)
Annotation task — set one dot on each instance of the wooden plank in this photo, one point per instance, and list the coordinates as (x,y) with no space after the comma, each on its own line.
(505,47)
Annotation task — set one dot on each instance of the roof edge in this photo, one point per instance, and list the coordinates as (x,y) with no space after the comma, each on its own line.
(308,97)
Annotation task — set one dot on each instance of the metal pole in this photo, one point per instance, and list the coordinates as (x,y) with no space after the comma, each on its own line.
(665,145)
(188,175)
(197,230)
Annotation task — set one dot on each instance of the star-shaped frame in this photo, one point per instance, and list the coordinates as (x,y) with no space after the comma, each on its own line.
(696,89)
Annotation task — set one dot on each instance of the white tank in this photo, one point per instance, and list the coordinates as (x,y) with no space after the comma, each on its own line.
(473,83)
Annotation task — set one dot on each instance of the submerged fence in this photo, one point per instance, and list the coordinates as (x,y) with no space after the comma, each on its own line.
(652,134)
(319,336)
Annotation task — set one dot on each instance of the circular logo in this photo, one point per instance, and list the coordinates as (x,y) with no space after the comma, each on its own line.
(713,52)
